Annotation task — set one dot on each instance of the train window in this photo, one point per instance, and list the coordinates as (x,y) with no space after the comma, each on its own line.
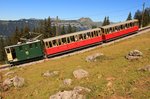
(80,37)
(64,40)
(54,43)
(46,44)
(68,39)
(89,35)
(50,44)
(96,33)
(84,36)
(59,41)
(121,27)
(7,50)
(113,29)
(72,38)
(106,31)
(76,37)
(20,48)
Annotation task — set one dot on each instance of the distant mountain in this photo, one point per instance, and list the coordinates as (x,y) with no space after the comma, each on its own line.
(7,27)
(88,22)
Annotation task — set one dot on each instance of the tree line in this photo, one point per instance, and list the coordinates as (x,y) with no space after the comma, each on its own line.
(48,30)
(142,16)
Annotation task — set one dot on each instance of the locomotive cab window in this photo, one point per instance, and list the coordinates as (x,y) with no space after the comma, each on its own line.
(7,50)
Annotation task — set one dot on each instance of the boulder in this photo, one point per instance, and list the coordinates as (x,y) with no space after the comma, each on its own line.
(18,81)
(67,82)
(77,93)
(134,55)
(80,89)
(50,74)
(80,73)
(145,68)
(8,82)
(67,95)
(92,58)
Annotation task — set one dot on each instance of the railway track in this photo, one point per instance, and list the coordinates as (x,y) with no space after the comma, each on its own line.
(141,31)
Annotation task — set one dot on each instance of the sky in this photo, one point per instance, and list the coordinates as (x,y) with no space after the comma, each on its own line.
(117,10)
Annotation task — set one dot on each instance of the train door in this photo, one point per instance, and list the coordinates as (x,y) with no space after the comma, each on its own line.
(9,54)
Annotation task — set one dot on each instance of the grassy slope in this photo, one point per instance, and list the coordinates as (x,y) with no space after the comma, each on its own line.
(129,82)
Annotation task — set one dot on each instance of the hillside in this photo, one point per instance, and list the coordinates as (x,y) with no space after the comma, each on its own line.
(110,77)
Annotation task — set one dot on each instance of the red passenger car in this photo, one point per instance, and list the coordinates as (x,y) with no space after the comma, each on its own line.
(72,41)
(115,31)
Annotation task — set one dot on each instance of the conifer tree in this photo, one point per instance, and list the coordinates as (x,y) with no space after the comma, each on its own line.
(129,17)
(104,22)
(54,31)
(107,21)
(69,29)
(138,16)
(2,51)
(63,30)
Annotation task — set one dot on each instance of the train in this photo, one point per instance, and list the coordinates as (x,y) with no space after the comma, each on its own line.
(40,49)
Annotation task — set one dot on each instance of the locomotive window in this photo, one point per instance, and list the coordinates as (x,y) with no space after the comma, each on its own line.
(20,47)
(7,50)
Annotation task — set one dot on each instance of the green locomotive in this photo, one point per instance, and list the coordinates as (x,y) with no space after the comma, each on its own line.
(24,52)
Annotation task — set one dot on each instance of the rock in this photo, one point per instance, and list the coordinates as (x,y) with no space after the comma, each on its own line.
(145,68)
(67,82)
(80,89)
(67,95)
(134,55)
(18,81)
(50,74)
(76,93)
(9,73)
(80,73)
(4,87)
(8,82)
(92,58)
(109,84)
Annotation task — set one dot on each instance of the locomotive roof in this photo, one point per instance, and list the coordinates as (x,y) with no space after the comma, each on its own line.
(117,24)
(68,35)
(22,44)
